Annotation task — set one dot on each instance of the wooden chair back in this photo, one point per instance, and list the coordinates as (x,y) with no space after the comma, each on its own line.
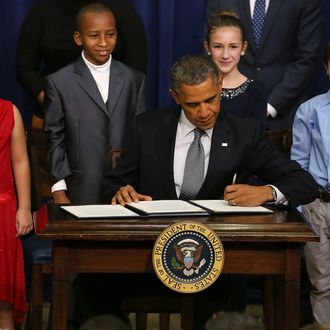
(37,151)
(40,254)
(281,138)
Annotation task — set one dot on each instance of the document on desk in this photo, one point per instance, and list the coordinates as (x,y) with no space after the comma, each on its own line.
(99,211)
(221,206)
(166,208)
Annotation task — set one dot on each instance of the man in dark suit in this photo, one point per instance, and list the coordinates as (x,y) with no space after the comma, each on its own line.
(87,106)
(155,157)
(285,55)
(152,165)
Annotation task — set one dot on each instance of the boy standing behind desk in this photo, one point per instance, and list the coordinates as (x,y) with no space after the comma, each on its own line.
(311,148)
(87,107)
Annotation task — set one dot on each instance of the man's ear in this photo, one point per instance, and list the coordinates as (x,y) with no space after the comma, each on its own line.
(77,38)
(174,95)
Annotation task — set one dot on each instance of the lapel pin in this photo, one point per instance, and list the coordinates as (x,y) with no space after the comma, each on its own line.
(224,144)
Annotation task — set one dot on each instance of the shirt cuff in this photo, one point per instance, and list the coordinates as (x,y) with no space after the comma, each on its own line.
(271,110)
(280,197)
(59,185)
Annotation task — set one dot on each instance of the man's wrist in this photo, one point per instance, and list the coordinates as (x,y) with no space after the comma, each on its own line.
(274,194)
(271,195)
(59,193)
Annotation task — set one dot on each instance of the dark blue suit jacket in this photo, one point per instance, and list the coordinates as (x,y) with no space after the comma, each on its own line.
(289,52)
(238,146)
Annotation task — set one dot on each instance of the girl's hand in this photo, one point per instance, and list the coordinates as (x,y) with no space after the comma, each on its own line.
(24,222)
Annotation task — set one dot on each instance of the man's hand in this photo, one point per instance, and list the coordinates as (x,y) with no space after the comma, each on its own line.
(246,195)
(60,197)
(128,194)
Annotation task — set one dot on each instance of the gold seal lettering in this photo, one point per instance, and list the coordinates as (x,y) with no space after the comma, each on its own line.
(188,256)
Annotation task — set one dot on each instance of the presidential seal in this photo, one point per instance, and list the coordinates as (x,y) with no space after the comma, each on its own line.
(188,256)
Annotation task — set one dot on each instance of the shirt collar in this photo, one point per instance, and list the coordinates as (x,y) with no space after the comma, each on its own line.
(187,127)
(98,68)
(323,100)
(327,95)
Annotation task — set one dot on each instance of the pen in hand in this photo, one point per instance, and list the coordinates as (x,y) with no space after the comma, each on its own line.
(232,182)
(232,202)
(234,179)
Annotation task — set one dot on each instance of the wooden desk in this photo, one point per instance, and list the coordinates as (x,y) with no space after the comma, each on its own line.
(254,244)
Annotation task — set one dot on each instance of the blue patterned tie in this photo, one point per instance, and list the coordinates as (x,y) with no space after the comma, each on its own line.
(258,20)
(194,168)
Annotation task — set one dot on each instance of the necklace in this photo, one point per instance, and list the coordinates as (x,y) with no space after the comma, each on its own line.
(230,93)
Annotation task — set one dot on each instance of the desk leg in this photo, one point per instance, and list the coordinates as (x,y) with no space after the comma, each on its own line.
(268,302)
(282,295)
(187,311)
(285,291)
(60,285)
(292,290)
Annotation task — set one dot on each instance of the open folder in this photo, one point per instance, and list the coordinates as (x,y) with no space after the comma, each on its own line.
(166,207)
(160,208)
(99,211)
(216,206)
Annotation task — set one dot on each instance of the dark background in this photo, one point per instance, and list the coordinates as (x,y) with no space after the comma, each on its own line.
(174,28)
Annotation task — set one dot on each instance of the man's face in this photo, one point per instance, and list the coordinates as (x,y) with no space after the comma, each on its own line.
(97,36)
(200,103)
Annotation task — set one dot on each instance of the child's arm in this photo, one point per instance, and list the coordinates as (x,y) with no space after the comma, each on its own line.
(60,197)
(21,170)
(55,127)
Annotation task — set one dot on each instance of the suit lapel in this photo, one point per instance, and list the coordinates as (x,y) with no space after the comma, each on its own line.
(270,18)
(165,148)
(116,84)
(245,16)
(88,84)
(221,147)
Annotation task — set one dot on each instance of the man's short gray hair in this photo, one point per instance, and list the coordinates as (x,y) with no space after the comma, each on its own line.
(193,70)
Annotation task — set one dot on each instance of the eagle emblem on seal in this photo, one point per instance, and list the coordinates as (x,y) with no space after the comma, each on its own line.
(188,253)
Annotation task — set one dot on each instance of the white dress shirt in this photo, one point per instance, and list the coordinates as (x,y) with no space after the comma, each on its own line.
(253,2)
(101,75)
(184,138)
